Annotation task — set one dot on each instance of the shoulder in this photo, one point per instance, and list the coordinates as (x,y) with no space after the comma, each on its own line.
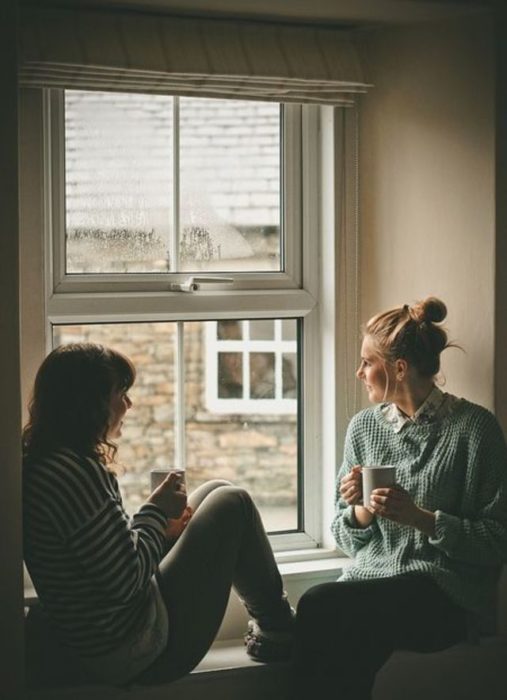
(366,421)
(67,467)
(473,415)
(477,422)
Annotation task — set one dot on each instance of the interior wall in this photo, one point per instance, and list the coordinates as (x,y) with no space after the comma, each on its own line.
(427,185)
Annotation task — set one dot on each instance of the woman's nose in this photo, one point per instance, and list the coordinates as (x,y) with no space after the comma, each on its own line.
(359,372)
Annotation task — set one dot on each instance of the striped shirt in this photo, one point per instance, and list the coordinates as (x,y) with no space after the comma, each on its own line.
(91,563)
(453,463)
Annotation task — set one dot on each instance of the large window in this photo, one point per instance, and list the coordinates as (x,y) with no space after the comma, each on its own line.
(175,231)
(226,304)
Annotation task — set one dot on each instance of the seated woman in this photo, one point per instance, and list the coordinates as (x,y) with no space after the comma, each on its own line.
(427,551)
(137,598)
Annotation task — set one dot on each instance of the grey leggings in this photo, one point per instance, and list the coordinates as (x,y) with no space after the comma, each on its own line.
(224,544)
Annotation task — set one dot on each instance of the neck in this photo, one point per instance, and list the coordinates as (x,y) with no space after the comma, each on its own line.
(409,397)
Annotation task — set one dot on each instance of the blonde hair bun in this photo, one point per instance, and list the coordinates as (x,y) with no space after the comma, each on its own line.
(429,310)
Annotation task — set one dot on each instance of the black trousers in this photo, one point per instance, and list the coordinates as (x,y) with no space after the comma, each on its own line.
(346,631)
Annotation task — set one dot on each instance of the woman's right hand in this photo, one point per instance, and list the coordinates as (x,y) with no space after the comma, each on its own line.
(351,486)
(170,496)
(351,490)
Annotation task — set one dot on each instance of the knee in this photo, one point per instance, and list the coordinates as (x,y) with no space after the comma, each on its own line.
(233,500)
(313,603)
(213,484)
(319,607)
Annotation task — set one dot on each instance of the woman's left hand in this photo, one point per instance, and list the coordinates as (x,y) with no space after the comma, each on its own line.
(395,504)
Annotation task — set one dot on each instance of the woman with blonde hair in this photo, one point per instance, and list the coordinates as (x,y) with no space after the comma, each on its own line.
(427,551)
(130,598)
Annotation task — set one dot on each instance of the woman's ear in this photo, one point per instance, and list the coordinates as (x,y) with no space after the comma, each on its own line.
(401,367)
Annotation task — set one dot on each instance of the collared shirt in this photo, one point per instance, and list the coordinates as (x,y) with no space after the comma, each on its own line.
(437,405)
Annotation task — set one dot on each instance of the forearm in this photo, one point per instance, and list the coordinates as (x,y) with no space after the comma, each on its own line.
(363,516)
(424,521)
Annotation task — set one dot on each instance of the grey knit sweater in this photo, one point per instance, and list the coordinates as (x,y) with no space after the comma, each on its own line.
(456,467)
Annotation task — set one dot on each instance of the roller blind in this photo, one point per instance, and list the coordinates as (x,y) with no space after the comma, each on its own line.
(129,51)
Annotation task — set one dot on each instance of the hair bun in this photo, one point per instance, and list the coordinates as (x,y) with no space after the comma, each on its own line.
(430,310)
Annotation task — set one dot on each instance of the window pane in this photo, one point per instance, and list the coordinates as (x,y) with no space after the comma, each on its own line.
(262,330)
(289,375)
(230,185)
(229,330)
(118,181)
(258,451)
(289,329)
(262,375)
(148,440)
(230,375)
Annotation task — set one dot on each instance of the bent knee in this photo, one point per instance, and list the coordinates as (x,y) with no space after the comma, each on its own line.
(316,601)
(213,484)
(233,500)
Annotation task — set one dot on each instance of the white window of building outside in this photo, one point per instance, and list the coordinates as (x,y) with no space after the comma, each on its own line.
(143,192)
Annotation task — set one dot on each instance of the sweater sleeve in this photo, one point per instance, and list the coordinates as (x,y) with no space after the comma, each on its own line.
(479,534)
(348,535)
(119,554)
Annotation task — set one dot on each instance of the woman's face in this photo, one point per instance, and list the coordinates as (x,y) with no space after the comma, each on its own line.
(377,376)
(118,407)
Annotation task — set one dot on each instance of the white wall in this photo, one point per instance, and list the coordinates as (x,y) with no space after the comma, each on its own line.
(427,185)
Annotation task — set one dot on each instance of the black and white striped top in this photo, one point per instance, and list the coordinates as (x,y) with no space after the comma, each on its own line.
(90,563)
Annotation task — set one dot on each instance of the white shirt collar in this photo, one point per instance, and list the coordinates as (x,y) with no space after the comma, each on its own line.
(433,408)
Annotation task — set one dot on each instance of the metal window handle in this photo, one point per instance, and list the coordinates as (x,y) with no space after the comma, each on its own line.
(194,284)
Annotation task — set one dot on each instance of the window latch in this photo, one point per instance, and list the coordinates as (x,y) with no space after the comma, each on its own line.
(194,284)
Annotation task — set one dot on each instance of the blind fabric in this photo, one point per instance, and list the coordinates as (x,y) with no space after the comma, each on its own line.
(126,51)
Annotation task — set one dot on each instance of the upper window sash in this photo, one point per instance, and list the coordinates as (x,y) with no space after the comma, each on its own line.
(290,278)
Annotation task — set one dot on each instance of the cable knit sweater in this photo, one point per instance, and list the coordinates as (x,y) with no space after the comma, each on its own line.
(454,466)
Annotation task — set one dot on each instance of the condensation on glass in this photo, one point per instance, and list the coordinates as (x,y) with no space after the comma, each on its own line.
(249,445)
(127,211)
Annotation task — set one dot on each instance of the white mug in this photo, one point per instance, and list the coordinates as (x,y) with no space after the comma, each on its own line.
(376,477)
(157,476)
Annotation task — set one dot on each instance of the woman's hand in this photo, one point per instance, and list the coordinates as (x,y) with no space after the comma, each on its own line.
(351,490)
(351,486)
(175,526)
(395,503)
(170,496)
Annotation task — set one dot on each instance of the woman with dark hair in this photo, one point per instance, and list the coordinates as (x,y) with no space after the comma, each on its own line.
(137,598)
(427,551)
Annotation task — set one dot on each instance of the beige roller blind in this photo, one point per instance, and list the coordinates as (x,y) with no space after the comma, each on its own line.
(128,51)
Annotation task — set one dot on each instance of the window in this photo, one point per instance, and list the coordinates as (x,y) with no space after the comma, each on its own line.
(252,366)
(146,193)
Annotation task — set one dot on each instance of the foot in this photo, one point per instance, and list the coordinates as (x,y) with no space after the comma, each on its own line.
(268,645)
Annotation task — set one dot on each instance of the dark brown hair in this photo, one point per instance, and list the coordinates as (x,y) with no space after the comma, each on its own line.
(412,333)
(71,400)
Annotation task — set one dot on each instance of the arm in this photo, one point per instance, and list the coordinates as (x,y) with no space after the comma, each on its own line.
(117,554)
(478,535)
(352,526)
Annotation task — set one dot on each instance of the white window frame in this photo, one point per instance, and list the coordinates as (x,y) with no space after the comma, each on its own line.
(306,290)
(276,405)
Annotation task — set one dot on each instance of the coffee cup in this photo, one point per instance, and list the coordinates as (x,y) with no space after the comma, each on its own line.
(157,476)
(377,477)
